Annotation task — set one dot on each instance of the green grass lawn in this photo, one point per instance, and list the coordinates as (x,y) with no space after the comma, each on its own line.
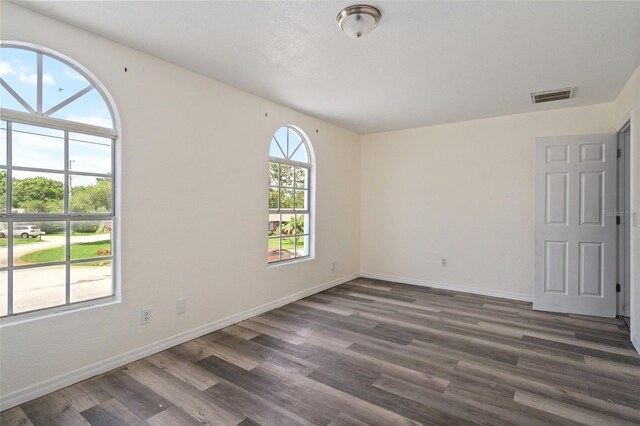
(78,251)
(19,241)
(287,243)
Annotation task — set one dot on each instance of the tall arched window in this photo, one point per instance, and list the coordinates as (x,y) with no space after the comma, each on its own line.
(289,230)
(57,151)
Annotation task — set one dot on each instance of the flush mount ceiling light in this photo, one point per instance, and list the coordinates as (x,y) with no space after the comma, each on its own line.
(358,20)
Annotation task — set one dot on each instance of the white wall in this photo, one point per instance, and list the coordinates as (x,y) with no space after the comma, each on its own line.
(464,191)
(194,156)
(627,106)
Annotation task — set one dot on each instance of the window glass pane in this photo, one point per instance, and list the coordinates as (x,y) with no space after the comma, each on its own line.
(7,101)
(286,175)
(274,242)
(91,280)
(301,177)
(66,82)
(273,198)
(89,194)
(286,198)
(37,147)
(301,199)
(3,142)
(4,298)
(280,137)
(302,246)
(273,174)
(35,192)
(90,239)
(19,69)
(293,141)
(275,150)
(273,251)
(37,288)
(38,242)
(90,154)
(4,241)
(302,224)
(274,225)
(288,225)
(90,108)
(300,154)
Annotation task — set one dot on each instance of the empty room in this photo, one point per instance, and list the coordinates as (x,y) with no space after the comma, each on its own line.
(319,213)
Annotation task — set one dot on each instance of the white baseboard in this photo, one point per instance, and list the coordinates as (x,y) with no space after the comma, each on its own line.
(51,385)
(636,344)
(447,286)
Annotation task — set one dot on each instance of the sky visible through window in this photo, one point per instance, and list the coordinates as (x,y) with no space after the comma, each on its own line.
(286,143)
(40,147)
(18,68)
(43,148)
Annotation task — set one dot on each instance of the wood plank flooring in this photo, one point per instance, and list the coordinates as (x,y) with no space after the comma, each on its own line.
(371,353)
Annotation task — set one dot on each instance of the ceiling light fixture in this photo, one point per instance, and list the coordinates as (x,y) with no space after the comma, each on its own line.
(358,20)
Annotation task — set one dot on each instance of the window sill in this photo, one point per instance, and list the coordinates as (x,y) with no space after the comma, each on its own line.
(57,311)
(290,262)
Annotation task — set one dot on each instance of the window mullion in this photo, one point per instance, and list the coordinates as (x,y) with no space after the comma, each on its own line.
(8,207)
(67,266)
(67,176)
(289,162)
(39,84)
(113,182)
(10,267)
(9,175)
(67,223)
(41,170)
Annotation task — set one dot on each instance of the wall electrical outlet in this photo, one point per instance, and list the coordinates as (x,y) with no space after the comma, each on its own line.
(145,316)
(444,262)
(181,306)
(333,266)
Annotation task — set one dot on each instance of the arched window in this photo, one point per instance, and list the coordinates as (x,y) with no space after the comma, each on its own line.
(57,151)
(289,230)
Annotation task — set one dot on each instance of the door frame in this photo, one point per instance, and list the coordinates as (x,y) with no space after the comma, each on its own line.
(632,116)
(623,234)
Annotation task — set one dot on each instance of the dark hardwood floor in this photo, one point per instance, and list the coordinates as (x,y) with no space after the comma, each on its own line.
(371,352)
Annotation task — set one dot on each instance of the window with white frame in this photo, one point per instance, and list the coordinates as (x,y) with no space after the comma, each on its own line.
(289,230)
(57,146)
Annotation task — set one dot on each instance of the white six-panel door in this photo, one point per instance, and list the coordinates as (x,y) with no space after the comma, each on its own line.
(575,225)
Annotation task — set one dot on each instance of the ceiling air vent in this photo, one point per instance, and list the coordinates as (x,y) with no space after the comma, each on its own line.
(552,95)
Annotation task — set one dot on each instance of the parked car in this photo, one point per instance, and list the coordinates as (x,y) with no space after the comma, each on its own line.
(274,254)
(23,231)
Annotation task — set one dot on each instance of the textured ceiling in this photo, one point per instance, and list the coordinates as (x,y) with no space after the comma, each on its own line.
(426,63)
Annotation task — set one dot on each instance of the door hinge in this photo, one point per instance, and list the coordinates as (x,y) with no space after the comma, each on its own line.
(617,288)
(619,153)
(617,220)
